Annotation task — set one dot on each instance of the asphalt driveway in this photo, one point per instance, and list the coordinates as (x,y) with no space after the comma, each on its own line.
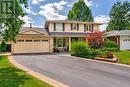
(77,72)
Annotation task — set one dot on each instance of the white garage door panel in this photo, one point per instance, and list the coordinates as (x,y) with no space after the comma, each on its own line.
(125,43)
(31,47)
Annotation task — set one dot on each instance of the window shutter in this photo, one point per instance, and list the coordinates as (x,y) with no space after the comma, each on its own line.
(85,27)
(63,26)
(77,27)
(54,26)
(92,27)
(71,26)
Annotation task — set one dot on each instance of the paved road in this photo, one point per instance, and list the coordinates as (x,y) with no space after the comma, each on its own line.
(77,72)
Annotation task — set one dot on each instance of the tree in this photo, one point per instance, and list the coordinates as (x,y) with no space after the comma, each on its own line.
(95,39)
(11,25)
(80,12)
(3,47)
(119,16)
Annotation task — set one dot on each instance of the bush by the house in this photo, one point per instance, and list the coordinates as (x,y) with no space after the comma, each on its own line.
(110,46)
(112,49)
(3,46)
(95,40)
(81,49)
(98,52)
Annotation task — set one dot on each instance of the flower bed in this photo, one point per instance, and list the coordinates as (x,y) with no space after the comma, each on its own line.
(114,59)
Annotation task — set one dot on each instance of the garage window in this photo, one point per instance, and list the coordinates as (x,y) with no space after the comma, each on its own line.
(37,40)
(44,40)
(20,40)
(28,40)
(126,40)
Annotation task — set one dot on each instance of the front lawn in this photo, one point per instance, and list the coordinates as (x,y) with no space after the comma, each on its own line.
(10,76)
(123,56)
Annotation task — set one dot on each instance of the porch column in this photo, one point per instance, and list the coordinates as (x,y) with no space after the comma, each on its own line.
(51,44)
(69,43)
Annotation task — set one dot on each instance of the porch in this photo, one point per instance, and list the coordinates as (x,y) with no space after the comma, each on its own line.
(63,44)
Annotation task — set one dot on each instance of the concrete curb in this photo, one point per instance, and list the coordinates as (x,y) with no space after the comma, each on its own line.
(37,75)
(104,62)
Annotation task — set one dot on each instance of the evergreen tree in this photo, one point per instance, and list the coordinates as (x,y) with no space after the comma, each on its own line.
(119,16)
(80,12)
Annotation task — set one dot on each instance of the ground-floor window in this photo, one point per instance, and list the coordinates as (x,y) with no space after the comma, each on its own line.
(58,42)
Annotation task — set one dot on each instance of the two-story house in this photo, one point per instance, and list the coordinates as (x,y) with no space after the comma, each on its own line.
(56,35)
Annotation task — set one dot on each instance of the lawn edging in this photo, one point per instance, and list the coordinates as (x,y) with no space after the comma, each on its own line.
(37,75)
(99,61)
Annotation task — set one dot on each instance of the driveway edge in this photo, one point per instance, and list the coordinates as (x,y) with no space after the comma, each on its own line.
(119,64)
(37,75)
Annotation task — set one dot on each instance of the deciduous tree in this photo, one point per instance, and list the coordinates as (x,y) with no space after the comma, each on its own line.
(12,24)
(95,39)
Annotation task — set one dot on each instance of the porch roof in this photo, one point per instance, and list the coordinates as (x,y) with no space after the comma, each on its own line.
(84,34)
(117,33)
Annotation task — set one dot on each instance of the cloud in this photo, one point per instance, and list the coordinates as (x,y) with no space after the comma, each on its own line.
(27,20)
(51,10)
(36,2)
(89,3)
(103,27)
(28,10)
(102,19)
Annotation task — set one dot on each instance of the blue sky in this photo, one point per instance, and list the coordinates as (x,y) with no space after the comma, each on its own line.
(40,10)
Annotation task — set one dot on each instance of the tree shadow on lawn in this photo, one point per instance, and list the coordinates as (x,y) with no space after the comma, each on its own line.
(0,57)
(12,77)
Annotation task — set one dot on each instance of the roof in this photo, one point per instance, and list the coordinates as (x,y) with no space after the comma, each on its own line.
(117,33)
(68,33)
(33,28)
(71,21)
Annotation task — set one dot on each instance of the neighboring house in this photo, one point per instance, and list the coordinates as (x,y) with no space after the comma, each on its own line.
(57,35)
(122,38)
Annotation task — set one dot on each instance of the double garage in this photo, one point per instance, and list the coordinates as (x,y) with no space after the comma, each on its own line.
(32,41)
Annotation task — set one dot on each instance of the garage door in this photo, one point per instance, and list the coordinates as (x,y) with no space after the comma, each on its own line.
(31,46)
(125,43)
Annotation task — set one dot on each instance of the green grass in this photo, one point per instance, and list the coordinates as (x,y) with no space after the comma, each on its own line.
(123,56)
(10,76)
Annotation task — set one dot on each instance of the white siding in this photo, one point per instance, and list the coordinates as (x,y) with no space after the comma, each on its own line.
(124,42)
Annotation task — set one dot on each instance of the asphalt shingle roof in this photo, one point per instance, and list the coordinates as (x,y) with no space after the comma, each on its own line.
(117,33)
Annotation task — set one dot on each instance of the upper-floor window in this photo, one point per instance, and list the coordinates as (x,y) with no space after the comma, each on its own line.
(75,26)
(88,27)
(58,26)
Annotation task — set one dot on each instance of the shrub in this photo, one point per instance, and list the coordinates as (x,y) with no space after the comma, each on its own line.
(81,49)
(98,52)
(78,48)
(112,49)
(95,39)
(110,44)
(3,46)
